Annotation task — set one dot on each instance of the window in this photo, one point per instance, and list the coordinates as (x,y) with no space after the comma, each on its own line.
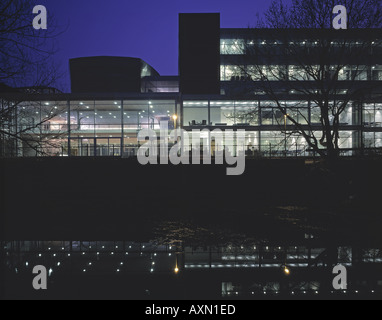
(82,117)
(222,113)
(372,114)
(346,117)
(277,143)
(144,114)
(345,74)
(350,73)
(270,114)
(373,139)
(376,72)
(246,113)
(268,73)
(233,73)
(315,114)
(232,47)
(301,115)
(346,140)
(108,121)
(195,113)
(298,73)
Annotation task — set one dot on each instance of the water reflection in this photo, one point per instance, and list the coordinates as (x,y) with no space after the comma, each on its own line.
(179,269)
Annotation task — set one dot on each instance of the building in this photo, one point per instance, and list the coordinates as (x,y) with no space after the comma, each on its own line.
(108,74)
(220,86)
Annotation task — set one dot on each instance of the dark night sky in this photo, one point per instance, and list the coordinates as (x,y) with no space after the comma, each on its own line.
(147,29)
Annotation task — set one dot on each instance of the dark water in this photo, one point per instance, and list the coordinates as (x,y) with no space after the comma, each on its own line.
(133,270)
(230,237)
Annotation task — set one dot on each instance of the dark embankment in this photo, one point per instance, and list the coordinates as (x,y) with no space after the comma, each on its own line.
(118,199)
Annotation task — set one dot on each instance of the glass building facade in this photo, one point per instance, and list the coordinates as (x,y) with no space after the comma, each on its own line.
(109,127)
(91,127)
(106,124)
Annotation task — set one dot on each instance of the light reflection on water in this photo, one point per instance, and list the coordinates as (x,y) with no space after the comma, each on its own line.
(246,270)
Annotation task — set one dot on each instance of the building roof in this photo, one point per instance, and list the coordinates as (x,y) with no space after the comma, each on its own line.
(5,88)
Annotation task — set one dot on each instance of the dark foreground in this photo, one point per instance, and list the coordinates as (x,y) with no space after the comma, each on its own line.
(153,271)
(232,235)
(111,199)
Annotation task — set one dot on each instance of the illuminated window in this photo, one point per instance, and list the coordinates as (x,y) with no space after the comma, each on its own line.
(232,47)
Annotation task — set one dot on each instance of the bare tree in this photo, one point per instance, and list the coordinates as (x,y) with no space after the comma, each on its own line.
(32,127)
(295,54)
(26,64)
(25,53)
(245,117)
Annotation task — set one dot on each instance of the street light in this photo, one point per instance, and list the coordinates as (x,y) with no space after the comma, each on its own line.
(176,270)
(286,271)
(175,117)
(285,120)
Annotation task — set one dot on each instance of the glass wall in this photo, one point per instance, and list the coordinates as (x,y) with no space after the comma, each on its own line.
(195,113)
(298,73)
(376,73)
(251,144)
(272,115)
(298,110)
(145,114)
(372,115)
(246,113)
(40,117)
(234,73)
(82,125)
(346,140)
(43,127)
(373,139)
(350,73)
(109,127)
(108,118)
(315,114)
(232,46)
(82,118)
(229,72)
(234,113)
(346,118)
(254,73)
(221,113)
(276,143)
(271,73)
(135,117)
(96,128)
